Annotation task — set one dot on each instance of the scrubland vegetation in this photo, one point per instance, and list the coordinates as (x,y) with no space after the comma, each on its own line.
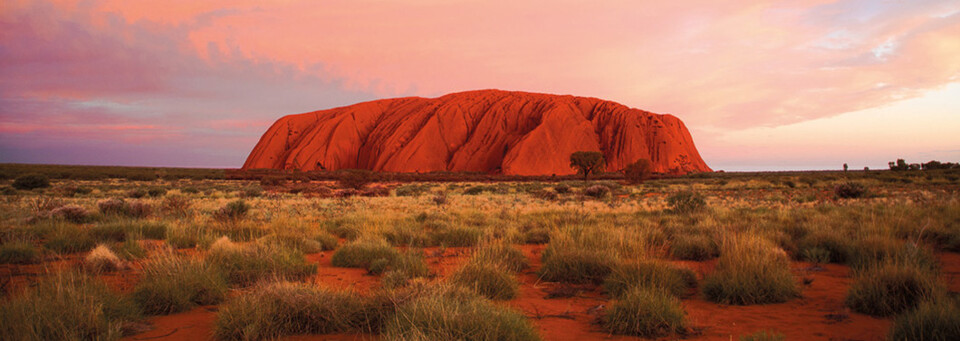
(93,259)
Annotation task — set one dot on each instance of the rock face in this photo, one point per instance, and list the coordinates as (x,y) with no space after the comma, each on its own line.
(490,131)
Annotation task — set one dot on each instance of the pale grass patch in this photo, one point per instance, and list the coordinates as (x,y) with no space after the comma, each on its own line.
(102,259)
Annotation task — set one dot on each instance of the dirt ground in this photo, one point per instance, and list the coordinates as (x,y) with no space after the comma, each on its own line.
(571,311)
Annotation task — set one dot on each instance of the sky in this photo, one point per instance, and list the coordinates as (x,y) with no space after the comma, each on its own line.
(762,85)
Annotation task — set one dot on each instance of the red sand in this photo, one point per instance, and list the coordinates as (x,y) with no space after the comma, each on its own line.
(491,131)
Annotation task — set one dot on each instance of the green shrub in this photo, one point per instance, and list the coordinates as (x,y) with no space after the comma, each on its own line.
(246,264)
(112,206)
(176,204)
(489,280)
(697,247)
(891,288)
(686,202)
(66,306)
(596,191)
(931,320)
(173,283)
(362,252)
(456,236)
(645,312)
(750,270)
(139,209)
(18,252)
(675,280)
(638,171)
(850,190)
(451,315)
(72,213)
(763,335)
(31,181)
(233,211)
(277,309)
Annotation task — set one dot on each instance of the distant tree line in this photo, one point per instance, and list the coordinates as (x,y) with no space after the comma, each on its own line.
(901,165)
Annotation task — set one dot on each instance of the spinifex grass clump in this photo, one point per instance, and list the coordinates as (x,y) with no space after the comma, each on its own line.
(451,314)
(68,238)
(503,254)
(492,281)
(283,308)
(173,283)
(130,249)
(750,270)
(66,306)
(672,279)
(578,257)
(645,312)
(825,245)
(299,242)
(18,252)
(696,247)
(110,232)
(102,259)
(246,264)
(187,236)
(456,236)
(931,320)
(875,250)
(363,252)
(891,288)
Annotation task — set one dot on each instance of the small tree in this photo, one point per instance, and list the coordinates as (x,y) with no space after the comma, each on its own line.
(586,163)
(638,171)
(845,167)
